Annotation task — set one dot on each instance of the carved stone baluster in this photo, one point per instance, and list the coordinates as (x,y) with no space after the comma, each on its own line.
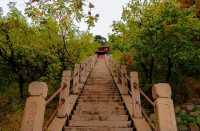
(85,71)
(76,77)
(123,79)
(33,117)
(164,108)
(137,111)
(82,73)
(64,95)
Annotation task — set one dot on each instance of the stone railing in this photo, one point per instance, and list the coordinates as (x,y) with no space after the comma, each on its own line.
(132,94)
(67,94)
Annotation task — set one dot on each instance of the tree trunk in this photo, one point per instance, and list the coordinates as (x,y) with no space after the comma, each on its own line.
(169,69)
(144,68)
(151,71)
(21,87)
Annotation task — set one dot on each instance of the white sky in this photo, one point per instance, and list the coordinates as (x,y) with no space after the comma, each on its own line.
(109,10)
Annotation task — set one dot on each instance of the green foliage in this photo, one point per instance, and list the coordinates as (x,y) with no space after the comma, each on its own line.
(186,118)
(82,46)
(162,38)
(42,49)
(100,39)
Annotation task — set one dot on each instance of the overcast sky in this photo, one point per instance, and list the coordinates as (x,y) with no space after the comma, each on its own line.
(109,10)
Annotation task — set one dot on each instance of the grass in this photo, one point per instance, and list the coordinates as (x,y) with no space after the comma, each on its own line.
(11,110)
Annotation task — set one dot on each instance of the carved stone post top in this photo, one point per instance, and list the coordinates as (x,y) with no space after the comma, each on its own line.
(76,69)
(38,89)
(77,65)
(134,74)
(123,67)
(134,77)
(82,65)
(161,90)
(66,73)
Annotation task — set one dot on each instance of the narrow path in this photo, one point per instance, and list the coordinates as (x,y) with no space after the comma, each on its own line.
(100,107)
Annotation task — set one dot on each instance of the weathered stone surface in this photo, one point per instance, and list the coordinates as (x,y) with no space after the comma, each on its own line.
(153,117)
(92,128)
(76,77)
(35,106)
(137,111)
(165,113)
(34,114)
(161,90)
(64,95)
(58,123)
(100,123)
(38,89)
(99,104)
(141,125)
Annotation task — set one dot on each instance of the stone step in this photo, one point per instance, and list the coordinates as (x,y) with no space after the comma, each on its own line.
(115,124)
(101,93)
(99,100)
(100,109)
(102,112)
(96,129)
(93,83)
(101,103)
(100,117)
(99,97)
(102,80)
(101,90)
(100,106)
(99,86)
(105,78)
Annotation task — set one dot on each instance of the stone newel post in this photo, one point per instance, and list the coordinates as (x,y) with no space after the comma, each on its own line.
(64,94)
(35,107)
(135,89)
(164,107)
(76,79)
(124,85)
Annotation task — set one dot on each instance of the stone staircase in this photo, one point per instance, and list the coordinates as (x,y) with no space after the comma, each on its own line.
(105,103)
(100,106)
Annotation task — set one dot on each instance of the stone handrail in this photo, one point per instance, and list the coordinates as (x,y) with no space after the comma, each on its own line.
(161,93)
(70,88)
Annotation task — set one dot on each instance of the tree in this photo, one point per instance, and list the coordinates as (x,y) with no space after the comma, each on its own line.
(100,39)
(162,37)
(64,14)
(18,52)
